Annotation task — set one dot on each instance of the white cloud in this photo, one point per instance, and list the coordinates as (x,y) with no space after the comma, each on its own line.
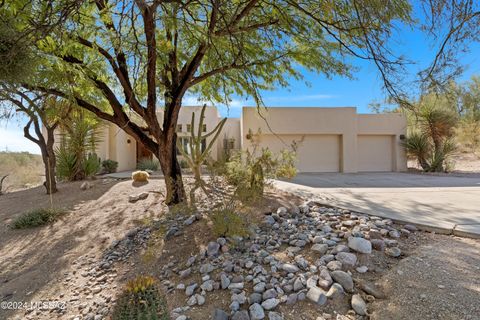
(12,139)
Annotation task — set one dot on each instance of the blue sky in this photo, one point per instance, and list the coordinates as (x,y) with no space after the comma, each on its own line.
(321,92)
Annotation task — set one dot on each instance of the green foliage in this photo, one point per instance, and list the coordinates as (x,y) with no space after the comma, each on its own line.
(148,164)
(76,158)
(248,172)
(66,163)
(91,165)
(227,223)
(109,166)
(36,217)
(141,300)
(15,54)
(430,139)
(183,164)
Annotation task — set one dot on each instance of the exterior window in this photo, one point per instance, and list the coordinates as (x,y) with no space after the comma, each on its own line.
(179,128)
(204,128)
(189,128)
(184,144)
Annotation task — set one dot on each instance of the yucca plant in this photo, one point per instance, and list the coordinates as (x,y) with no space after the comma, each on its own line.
(76,155)
(66,163)
(91,165)
(430,141)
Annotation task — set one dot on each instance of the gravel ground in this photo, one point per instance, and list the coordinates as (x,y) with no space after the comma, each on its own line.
(440,280)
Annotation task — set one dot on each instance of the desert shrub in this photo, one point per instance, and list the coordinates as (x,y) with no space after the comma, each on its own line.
(468,133)
(183,164)
(148,164)
(227,223)
(36,217)
(141,299)
(430,139)
(109,166)
(91,165)
(249,172)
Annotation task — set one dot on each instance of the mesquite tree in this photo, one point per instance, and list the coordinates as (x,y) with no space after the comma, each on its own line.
(39,110)
(125,60)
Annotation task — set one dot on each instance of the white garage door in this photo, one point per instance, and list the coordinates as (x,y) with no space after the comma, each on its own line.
(375,153)
(315,153)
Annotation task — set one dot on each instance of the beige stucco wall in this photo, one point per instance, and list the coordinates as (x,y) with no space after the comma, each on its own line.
(125,154)
(212,117)
(231,130)
(330,139)
(317,124)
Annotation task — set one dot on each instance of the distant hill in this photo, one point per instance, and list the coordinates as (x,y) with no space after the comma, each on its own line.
(25,170)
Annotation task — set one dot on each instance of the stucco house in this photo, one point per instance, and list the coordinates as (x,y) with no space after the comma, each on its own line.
(327,139)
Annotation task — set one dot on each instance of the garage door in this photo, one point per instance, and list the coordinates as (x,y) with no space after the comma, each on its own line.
(375,153)
(315,153)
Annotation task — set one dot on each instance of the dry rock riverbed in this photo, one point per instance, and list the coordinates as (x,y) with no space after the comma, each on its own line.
(307,254)
(304,262)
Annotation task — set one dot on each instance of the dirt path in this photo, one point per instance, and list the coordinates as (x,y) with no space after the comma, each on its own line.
(439,280)
(33,262)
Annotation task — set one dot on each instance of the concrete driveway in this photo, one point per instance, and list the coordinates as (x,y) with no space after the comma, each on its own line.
(443,204)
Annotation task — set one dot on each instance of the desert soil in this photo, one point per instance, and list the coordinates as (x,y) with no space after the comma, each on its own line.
(463,164)
(437,277)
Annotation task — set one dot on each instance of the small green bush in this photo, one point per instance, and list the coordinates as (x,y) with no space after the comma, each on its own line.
(183,164)
(109,166)
(248,172)
(92,165)
(141,300)
(148,164)
(36,217)
(227,223)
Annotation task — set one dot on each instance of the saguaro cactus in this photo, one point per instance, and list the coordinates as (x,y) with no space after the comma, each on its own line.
(196,157)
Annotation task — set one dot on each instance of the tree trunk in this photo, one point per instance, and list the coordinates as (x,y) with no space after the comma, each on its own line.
(49,162)
(171,170)
(50,169)
(46,149)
